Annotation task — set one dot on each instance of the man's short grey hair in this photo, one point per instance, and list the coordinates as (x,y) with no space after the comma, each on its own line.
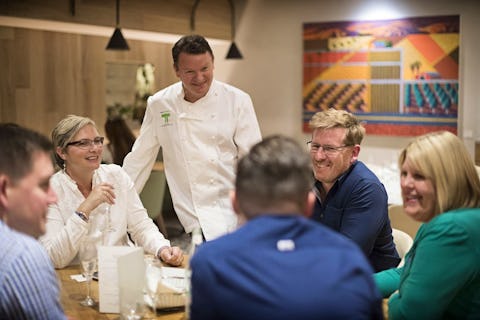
(276,171)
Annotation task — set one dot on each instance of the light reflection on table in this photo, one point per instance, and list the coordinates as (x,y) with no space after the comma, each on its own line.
(72,292)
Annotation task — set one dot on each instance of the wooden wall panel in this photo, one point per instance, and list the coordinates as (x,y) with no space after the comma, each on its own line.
(48,75)
(477,154)
(7,79)
(212,17)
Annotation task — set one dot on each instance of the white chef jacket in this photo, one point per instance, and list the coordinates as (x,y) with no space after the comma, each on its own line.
(65,229)
(201,143)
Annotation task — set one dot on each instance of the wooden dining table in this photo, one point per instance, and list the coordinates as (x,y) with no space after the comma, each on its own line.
(72,292)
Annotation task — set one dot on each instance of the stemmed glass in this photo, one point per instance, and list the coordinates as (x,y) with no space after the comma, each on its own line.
(153,277)
(88,258)
(105,209)
(109,220)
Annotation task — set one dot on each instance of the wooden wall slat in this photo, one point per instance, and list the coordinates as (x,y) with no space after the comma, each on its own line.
(7,79)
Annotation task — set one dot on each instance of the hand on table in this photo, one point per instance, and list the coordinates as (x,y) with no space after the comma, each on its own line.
(172,256)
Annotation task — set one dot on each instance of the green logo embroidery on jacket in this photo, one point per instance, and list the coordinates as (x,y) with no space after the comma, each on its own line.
(165,117)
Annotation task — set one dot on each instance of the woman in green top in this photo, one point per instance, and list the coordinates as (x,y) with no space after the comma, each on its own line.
(441,276)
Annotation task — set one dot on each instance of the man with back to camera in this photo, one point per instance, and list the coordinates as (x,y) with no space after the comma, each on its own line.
(349,197)
(28,283)
(203,126)
(279,264)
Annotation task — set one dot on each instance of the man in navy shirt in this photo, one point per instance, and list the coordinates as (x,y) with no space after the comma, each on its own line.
(279,264)
(349,197)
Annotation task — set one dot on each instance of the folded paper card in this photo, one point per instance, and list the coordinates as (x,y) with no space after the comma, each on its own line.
(119,268)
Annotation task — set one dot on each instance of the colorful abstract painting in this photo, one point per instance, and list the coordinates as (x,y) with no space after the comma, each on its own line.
(399,76)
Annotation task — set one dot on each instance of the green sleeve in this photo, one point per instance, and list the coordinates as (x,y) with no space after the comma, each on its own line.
(388,281)
(440,265)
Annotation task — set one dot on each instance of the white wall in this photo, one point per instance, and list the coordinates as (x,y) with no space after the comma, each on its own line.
(269,34)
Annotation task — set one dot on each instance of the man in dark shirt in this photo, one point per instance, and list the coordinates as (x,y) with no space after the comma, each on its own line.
(350,198)
(279,264)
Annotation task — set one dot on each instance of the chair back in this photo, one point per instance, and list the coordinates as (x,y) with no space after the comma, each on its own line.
(152,197)
(403,243)
(400,220)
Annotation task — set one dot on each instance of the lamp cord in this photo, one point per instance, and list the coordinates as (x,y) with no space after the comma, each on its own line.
(232,19)
(192,16)
(118,13)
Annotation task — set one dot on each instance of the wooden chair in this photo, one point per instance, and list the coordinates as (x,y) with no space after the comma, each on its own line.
(399,220)
(152,197)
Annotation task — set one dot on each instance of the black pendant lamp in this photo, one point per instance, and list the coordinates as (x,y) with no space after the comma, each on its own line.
(233,52)
(117,41)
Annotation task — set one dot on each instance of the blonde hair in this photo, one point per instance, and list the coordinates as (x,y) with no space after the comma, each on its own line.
(333,118)
(442,158)
(64,132)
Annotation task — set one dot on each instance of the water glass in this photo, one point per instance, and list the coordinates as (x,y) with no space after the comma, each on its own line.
(88,259)
(153,277)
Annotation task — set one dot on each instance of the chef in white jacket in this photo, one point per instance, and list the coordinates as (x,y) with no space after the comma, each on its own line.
(203,127)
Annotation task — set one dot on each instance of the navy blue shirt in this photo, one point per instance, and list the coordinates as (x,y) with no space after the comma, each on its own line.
(357,207)
(282,267)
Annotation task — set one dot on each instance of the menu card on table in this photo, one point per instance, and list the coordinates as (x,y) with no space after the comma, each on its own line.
(119,267)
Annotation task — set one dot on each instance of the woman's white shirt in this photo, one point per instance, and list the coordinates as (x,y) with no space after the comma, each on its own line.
(65,229)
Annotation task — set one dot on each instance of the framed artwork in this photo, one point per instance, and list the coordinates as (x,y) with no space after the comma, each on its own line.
(398,76)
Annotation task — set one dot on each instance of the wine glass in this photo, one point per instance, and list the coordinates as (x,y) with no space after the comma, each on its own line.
(153,277)
(97,225)
(106,211)
(88,259)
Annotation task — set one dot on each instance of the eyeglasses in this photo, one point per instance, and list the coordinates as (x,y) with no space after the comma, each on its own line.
(87,143)
(327,149)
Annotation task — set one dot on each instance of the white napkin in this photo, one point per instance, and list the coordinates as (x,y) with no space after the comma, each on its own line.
(78,277)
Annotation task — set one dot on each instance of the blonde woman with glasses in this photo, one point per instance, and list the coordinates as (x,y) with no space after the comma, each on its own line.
(86,189)
(441,275)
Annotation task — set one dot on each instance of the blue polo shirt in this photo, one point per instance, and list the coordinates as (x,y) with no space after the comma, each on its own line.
(282,267)
(357,207)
